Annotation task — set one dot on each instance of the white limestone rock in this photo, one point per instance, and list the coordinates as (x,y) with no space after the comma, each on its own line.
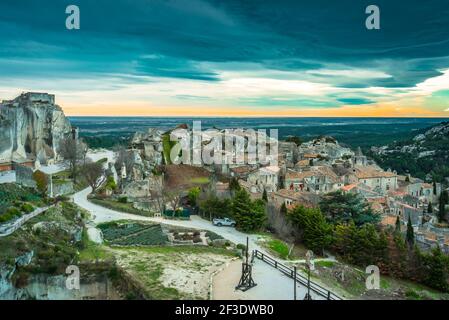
(31,125)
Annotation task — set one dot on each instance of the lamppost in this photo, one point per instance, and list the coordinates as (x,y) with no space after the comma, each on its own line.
(309,264)
(294,283)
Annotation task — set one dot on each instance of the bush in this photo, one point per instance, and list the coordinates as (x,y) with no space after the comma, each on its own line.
(123,200)
(197,239)
(10,214)
(62,198)
(110,184)
(41,181)
(241,246)
(27,208)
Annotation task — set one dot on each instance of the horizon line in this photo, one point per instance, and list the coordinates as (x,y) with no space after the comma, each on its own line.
(256,116)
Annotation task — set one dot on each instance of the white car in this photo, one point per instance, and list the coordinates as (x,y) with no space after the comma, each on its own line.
(223,222)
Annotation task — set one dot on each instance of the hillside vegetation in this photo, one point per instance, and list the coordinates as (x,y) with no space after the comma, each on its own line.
(425,156)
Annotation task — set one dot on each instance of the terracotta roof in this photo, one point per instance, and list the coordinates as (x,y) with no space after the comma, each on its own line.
(370,172)
(303,163)
(311,155)
(298,175)
(388,220)
(349,187)
(302,197)
(242,169)
(430,235)
(314,171)
(270,169)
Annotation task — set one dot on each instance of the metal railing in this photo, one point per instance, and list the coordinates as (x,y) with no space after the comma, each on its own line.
(319,290)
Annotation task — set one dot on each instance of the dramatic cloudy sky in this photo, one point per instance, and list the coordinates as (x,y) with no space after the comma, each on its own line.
(229,57)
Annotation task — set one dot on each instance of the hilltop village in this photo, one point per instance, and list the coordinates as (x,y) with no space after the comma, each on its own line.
(157,223)
(305,173)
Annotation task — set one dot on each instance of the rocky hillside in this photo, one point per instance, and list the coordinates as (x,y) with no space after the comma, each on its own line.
(31,126)
(425,156)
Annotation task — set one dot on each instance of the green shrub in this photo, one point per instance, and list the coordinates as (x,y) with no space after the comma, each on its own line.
(110,183)
(10,214)
(123,199)
(241,246)
(27,208)
(279,247)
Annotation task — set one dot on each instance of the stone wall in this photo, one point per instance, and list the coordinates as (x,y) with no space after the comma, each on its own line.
(24,176)
(61,188)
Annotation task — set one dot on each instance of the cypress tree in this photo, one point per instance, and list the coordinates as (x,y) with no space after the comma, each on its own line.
(234,186)
(410,233)
(434,188)
(397,228)
(442,206)
(265,196)
(429,208)
(283,209)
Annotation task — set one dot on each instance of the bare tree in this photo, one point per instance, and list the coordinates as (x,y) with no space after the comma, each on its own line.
(123,156)
(174,197)
(73,151)
(93,173)
(163,195)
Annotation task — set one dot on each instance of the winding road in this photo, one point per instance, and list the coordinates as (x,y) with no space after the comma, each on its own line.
(280,286)
(101,214)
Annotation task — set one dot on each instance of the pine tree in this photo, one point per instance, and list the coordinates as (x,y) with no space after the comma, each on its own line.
(316,232)
(436,270)
(410,233)
(265,196)
(249,215)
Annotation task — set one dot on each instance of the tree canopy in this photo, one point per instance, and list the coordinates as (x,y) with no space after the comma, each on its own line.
(345,207)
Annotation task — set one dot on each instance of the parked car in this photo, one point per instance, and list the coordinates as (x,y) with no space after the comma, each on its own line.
(223,222)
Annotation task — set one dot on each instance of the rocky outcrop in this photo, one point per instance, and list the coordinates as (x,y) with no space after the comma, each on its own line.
(31,127)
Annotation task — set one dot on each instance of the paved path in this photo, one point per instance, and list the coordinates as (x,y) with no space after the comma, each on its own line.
(271,284)
(101,214)
(280,286)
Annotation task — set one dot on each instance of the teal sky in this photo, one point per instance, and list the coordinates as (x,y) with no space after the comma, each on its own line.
(227,57)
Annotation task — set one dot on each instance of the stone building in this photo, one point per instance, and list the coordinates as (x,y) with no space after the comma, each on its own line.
(320,179)
(377,179)
(265,178)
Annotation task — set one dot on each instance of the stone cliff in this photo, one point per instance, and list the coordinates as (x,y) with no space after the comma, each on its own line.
(31,127)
